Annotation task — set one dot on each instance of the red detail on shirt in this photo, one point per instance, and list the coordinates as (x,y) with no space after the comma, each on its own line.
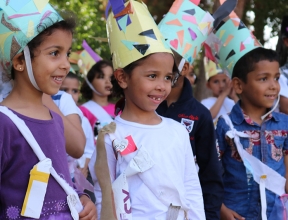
(191,117)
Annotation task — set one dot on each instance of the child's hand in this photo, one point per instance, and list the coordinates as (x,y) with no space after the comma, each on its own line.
(89,211)
(228,214)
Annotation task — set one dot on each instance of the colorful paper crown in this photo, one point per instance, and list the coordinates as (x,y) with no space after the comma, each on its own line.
(132,33)
(232,41)
(211,68)
(21,21)
(185,27)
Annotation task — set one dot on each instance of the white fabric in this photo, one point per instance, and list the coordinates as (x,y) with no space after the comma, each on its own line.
(263,198)
(283,81)
(5,89)
(98,111)
(73,200)
(225,108)
(66,104)
(169,147)
(181,64)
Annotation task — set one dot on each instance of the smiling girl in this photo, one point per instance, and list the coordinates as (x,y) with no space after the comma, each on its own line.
(37,61)
(97,88)
(149,156)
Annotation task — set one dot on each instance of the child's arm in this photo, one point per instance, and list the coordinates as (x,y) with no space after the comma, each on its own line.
(219,102)
(89,211)
(74,135)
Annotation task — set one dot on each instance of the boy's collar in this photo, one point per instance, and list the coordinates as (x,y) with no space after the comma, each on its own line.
(238,115)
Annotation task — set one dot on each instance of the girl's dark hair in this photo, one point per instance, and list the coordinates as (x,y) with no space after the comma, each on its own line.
(95,71)
(246,64)
(118,92)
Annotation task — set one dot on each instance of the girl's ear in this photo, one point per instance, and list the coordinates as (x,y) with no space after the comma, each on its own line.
(237,85)
(208,85)
(121,78)
(185,69)
(18,62)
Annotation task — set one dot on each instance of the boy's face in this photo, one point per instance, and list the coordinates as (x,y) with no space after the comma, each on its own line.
(218,84)
(262,87)
(71,86)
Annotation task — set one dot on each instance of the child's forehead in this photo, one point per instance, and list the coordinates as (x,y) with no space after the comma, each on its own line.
(219,76)
(265,66)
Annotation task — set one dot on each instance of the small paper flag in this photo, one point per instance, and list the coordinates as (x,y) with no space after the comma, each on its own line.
(189,18)
(175,7)
(123,23)
(195,52)
(174,22)
(186,48)
(142,48)
(242,46)
(229,38)
(180,35)
(149,33)
(40,4)
(190,11)
(30,30)
(174,43)
(127,10)
(192,34)
(231,53)
(129,44)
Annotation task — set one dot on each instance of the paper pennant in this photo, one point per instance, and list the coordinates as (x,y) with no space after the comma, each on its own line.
(256,43)
(242,46)
(189,59)
(229,38)
(174,43)
(195,2)
(241,25)
(3,38)
(186,48)
(222,32)
(149,33)
(203,25)
(247,41)
(230,65)
(123,23)
(142,48)
(8,25)
(174,22)
(22,15)
(129,44)
(18,5)
(30,30)
(15,47)
(231,53)
(180,35)
(192,34)
(175,7)
(40,4)
(208,52)
(195,53)
(189,18)
(127,10)
(190,11)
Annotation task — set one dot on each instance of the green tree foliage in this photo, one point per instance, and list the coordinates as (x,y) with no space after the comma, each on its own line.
(91,23)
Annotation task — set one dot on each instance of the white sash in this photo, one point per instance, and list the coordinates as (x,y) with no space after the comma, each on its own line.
(262,174)
(140,164)
(36,202)
(98,112)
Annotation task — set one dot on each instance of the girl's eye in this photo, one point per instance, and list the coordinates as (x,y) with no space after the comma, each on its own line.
(263,79)
(68,54)
(168,78)
(75,91)
(54,53)
(153,76)
(277,78)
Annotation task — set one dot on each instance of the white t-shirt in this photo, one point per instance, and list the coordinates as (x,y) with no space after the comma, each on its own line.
(67,106)
(225,108)
(169,146)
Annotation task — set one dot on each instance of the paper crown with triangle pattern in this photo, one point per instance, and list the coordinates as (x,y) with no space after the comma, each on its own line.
(232,41)
(132,33)
(211,68)
(185,27)
(21,21)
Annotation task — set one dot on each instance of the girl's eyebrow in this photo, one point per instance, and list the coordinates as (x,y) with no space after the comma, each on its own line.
(57,47)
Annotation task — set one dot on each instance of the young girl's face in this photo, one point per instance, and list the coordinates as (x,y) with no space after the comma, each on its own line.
(50,63)
(102,83)
(150,82)
(71,86)
(217,84)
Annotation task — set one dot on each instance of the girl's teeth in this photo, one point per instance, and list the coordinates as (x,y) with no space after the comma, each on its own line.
(57,78)
(158,99)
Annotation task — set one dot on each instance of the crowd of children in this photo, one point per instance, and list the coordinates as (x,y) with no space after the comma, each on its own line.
(158,153)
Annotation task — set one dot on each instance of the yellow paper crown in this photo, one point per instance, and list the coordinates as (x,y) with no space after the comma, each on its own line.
(132,33)
(211,68)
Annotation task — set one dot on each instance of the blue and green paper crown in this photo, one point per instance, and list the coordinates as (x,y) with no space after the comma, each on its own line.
(232,41)
(21,21)
(185,27)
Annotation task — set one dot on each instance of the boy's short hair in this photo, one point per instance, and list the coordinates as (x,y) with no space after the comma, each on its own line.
(72,76)
(246,64)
